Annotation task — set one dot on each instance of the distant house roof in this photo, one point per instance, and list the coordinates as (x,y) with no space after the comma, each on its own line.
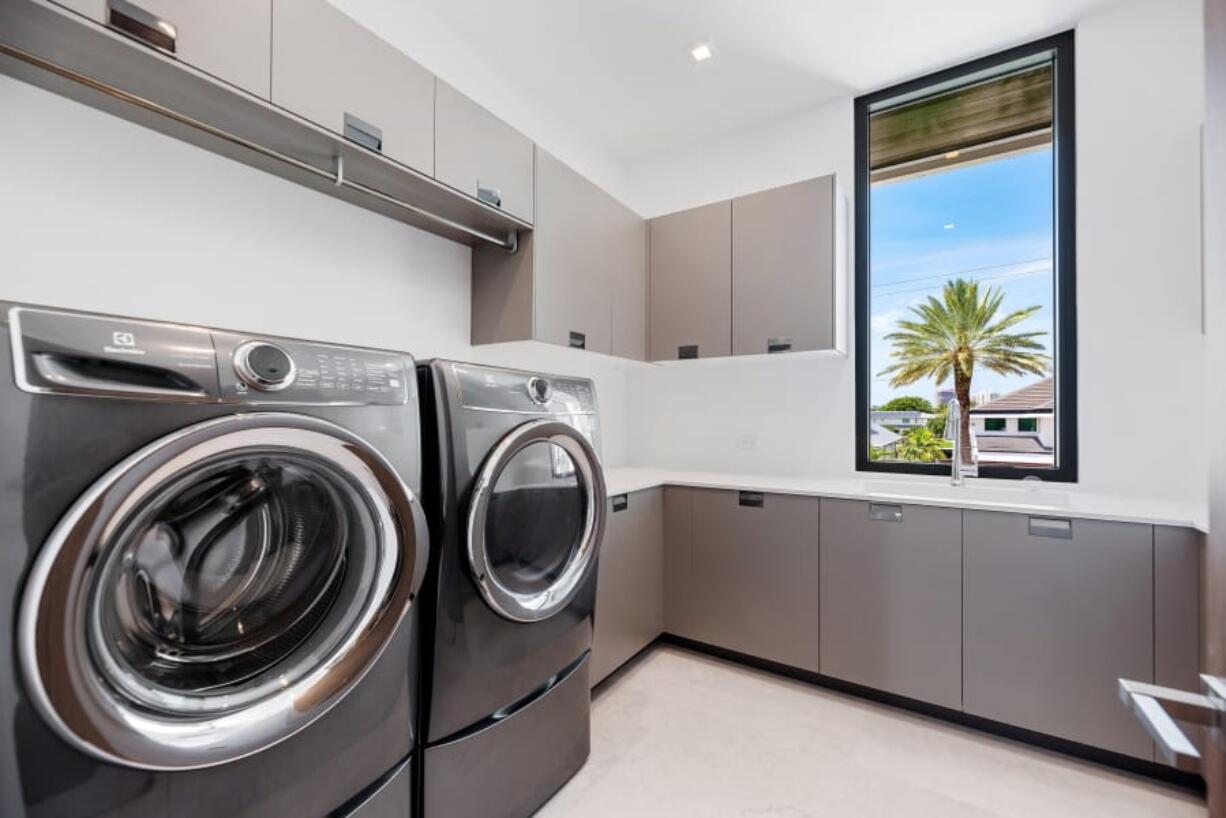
(890,415)
(882,437)
(1013,444)
(1037,398)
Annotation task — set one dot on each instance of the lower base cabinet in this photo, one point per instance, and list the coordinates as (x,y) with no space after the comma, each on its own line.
(1056,611)
(630,586)
(753,582)
(891,598)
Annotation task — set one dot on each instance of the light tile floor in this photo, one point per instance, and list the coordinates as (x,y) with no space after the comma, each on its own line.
(682,734)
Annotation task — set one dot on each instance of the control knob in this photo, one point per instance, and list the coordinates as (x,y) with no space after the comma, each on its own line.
(264,366)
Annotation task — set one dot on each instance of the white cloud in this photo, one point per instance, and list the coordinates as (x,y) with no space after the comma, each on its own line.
(884,322)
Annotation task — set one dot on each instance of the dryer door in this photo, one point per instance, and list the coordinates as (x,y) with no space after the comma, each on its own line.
(535,520)
(219,590)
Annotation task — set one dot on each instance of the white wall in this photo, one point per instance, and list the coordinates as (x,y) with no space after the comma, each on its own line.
(1139,105)
(100,214)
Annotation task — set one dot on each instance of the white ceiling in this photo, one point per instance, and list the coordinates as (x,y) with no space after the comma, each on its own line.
(618,73)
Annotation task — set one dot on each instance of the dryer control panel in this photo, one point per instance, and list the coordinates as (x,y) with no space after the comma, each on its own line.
(62,352)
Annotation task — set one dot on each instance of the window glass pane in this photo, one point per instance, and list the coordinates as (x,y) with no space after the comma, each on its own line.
(961,276)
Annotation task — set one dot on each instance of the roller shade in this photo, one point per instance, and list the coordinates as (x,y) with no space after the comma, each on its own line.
(989,118)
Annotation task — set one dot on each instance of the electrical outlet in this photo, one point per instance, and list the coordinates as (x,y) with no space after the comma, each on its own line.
(747,443)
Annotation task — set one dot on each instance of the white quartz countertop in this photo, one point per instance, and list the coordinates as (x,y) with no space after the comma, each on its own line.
(990,495)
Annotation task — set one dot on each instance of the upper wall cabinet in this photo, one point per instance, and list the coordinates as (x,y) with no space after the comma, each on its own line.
(691,300)
(758,274)
(479,154)
(786,274)
(579,277)
(226,40)
(332,71)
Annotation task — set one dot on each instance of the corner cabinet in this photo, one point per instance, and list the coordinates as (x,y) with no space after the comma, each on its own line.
(330,70)
(227,41)
(630,585)
(578,278)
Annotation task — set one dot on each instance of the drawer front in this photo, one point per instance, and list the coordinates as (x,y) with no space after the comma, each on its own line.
(1056,611)
(227,40)
(480,155)
(332,71)
(891,598)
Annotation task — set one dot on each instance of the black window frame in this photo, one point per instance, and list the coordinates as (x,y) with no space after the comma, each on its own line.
(1064,222)
(1033,423)
(1002,423)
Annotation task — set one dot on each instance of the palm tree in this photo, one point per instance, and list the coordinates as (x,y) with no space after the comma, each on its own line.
(952,335)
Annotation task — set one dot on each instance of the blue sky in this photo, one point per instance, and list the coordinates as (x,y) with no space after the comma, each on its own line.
(991,222)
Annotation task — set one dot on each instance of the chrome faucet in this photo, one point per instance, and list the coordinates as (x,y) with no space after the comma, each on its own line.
(959,470)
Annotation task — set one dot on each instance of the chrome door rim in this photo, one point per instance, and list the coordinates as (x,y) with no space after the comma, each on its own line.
(87,712)
(533,607)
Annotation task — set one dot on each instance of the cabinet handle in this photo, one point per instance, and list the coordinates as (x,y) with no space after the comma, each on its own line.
(144,26)
(885,512)
(687,352)
(489,195)
(751,499)
(621,502)
(1051,527)
(363,133)
(778,345)
(578,340)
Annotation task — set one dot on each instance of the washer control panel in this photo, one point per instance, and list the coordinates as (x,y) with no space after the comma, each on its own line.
(282,371)
(71,353)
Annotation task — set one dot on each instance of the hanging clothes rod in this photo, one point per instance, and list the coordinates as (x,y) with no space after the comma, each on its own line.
(509,242)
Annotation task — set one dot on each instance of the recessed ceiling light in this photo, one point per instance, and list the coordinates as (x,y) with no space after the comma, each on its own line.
(953,154)
(701,52)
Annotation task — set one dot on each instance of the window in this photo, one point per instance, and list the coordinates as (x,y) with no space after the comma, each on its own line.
(965,260)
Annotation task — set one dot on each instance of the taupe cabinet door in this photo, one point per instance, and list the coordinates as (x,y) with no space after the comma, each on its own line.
(783,269)
(228,40)
(572,282)
(1055,613)
(630,588)
(754,564)
(891,598)
(691,283)
(627,257)
(330,70)
(678,561)
(479,154)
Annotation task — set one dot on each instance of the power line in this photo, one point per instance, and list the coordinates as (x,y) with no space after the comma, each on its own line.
(1022,274)
(960,272)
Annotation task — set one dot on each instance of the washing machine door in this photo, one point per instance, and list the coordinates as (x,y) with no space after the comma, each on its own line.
(219,590)
(535,520)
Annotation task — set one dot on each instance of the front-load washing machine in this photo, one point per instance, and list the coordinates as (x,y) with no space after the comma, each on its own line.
(212,547)
(515,497)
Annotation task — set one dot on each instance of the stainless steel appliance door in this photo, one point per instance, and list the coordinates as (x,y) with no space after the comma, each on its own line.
(219,590)
(535,520)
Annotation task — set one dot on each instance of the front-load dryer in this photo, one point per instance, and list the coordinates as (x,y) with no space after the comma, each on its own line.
(515,497)
(212,549)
